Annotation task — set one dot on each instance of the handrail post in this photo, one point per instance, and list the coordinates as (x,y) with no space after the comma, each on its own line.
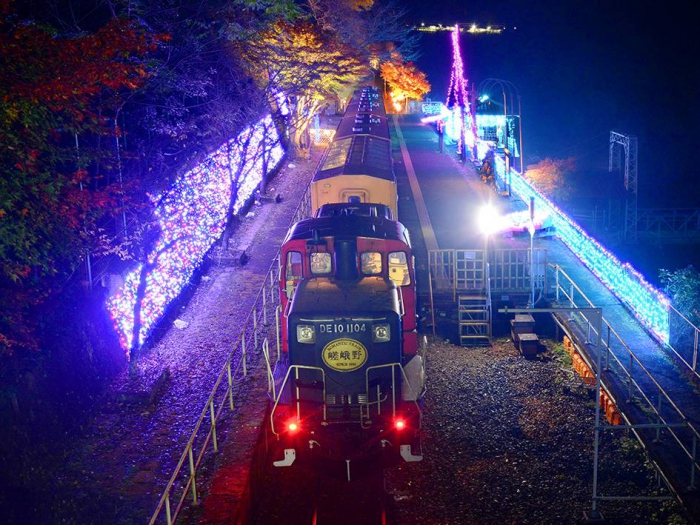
(588,332)
(244,356)
(556,283)
(168,512)
(571,296)
(213,425)
(255,329)
(692,461)
(264,298)
(230,383)
(192,475)
(607,350)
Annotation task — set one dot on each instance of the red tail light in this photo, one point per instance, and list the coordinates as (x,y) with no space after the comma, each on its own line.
(399,424)
(292,425)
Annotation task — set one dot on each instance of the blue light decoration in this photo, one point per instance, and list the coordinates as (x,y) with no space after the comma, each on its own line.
(647,303)
(191,218)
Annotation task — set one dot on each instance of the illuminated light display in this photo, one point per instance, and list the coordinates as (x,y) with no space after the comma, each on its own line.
(191,217)
(649,305)
(460,126)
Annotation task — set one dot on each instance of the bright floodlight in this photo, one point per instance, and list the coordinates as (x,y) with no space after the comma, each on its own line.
(488,220)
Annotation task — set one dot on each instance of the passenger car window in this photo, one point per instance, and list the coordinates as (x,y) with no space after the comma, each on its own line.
(398,268)
(371,263)
(320,263)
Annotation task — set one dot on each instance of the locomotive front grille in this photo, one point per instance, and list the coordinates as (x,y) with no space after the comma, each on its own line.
(346,399)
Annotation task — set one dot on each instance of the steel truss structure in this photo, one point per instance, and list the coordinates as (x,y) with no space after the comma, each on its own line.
(629,146)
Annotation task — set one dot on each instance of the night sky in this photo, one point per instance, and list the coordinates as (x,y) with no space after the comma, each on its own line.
(582,70)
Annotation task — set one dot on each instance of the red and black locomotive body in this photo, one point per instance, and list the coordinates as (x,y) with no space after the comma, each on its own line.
(349,380)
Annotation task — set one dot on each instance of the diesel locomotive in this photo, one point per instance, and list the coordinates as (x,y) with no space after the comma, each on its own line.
(349,383)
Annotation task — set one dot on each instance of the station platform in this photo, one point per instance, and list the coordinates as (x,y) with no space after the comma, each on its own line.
(450,196)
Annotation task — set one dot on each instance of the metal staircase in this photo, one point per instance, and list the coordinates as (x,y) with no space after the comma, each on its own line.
(474,320)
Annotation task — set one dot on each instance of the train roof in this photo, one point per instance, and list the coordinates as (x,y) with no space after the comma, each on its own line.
(357,155)
(349,226)
(365,115)
(362,145)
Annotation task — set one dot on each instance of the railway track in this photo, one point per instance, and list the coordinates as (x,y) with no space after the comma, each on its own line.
(302,495)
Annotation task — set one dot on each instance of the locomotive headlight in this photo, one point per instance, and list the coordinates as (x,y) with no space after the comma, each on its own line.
(381,333)
(306,334)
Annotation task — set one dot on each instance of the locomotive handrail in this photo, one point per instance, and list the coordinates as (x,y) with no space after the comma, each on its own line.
(626,375)
(393,386)
(284,383)
(402,308)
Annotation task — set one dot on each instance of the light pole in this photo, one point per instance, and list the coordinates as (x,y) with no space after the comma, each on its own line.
(531,229)
(488,224)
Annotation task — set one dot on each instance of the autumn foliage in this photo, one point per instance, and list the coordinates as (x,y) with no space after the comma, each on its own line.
(406,81)
(307,66)
(552,177)
(55,93)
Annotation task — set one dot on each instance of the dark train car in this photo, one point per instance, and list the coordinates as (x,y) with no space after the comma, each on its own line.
(349,381)
(358,165)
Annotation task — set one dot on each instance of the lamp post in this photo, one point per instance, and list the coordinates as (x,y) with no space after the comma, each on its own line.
(531,229)
(488,224)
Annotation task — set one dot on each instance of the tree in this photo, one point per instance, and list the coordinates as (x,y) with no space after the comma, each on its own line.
(551,177)
(375,29)
(683,287)
(406,81)
(53,90)
(298,65)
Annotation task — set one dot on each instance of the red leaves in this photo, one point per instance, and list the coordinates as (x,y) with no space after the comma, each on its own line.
(66,74)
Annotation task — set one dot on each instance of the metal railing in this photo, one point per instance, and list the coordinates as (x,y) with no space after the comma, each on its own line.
(248,352)
(658,223)
(684,339)
(510,270)
(619,360)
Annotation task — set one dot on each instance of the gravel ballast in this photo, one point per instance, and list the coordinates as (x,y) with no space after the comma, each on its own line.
(510,440)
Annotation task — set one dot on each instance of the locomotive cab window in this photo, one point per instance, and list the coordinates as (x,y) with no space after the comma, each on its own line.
(320,263)
(371,263)
(398,268)
(292,272)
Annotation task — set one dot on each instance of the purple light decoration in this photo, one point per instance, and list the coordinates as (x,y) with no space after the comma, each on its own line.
(191,217)
(462,123)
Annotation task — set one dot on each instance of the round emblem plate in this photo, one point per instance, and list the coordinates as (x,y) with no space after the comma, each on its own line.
(344,355)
